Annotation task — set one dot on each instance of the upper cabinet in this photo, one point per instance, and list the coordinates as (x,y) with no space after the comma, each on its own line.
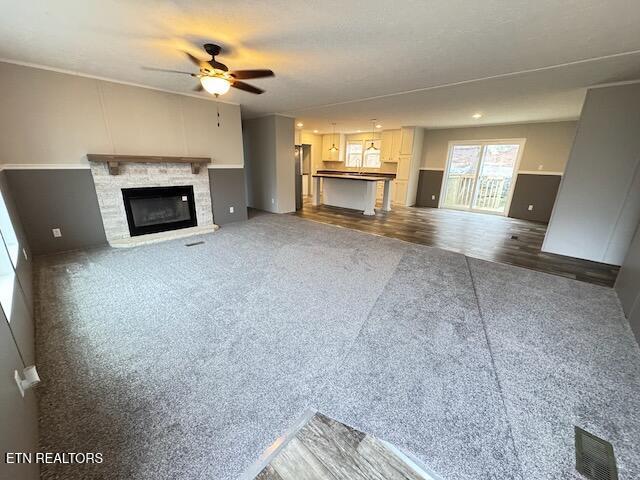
(385,148)
(327,142)
(406,141)
(390,149)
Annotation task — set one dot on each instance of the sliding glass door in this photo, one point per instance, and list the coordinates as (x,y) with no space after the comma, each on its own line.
(480,175)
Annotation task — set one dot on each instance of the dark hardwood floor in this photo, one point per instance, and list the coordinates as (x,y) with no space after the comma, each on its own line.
(488,237)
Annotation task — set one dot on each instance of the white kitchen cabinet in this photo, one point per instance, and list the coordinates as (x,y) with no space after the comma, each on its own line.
(385,148)
(390,150)
(404,167)
(327,142)
(399,192)
(406,140)
(395,146)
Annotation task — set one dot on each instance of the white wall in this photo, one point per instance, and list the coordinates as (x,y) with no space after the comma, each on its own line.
(598,205)
(55,118)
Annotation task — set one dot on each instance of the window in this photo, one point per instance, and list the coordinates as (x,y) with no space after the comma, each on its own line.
(358,155)
(354,154)
(8,233)
(372,156)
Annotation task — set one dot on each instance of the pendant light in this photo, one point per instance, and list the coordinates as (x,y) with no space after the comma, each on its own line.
(333,137)
(372,147)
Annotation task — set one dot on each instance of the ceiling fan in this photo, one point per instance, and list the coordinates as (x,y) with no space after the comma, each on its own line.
(216,78)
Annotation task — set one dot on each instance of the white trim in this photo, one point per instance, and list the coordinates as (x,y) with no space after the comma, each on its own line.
(538,172)
(45,166)
(214,166)
(106,79)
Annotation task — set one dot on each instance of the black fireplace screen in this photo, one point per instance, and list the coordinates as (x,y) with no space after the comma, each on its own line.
(158,209)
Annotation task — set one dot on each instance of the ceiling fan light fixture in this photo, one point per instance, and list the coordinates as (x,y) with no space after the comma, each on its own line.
(215,85)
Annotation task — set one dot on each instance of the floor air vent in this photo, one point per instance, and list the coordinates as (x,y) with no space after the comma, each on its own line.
(193,244)
(594,457)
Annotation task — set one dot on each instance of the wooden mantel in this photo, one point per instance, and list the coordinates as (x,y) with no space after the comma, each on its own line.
(114,161)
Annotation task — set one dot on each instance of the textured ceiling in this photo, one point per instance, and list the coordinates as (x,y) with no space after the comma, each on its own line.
(332,52)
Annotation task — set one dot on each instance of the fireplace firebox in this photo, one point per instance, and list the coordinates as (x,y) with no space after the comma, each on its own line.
(158,209)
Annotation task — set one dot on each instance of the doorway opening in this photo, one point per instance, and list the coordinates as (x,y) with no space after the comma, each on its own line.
(302,154)
(480,175)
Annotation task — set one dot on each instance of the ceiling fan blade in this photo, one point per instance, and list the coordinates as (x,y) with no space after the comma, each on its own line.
(198,87)
(218,65)
(197,61)
(152,69)
(246,87)
(247,74)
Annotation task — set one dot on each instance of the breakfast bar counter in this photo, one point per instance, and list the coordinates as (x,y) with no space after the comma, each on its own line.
(352,190)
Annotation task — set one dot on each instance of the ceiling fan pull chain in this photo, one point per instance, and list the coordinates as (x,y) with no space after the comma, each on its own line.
(218,110)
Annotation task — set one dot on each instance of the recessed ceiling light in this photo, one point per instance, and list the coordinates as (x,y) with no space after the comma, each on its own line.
(358,131)
(378,126)
(300,124)
(315,131)
(477,115)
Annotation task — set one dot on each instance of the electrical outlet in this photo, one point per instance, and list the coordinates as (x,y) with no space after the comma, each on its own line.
(56,232)
(230,209)
(540,167)
(530,207)
(433,197)
(273,201)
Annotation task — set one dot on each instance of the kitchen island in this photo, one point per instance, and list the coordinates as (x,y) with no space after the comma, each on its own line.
(352,190)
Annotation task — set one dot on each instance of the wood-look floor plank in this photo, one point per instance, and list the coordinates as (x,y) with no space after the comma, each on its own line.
(385,461)
(487,237)
(268,473)
(336,451)
(325,449)
(296,462)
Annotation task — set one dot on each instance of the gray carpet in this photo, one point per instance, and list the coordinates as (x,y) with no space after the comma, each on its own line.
(186,362)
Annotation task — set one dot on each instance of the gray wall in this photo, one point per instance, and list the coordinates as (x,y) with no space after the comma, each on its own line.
(18,415)
(628,285)
(530,189)
(259,140)
(429,185)
(269,163)
(537,190)
(598,204)
(286,164)
(64,199)
(228,190)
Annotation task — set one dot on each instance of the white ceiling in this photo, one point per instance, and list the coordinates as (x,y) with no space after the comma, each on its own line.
(332,52)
